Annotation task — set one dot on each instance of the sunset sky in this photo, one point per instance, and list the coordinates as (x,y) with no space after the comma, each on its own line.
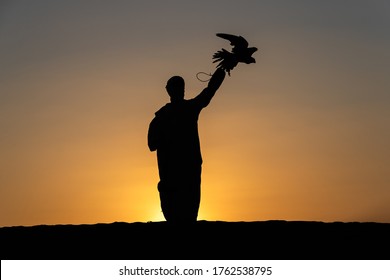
(303,134)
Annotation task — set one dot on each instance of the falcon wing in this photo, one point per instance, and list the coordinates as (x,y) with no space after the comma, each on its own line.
(238,42)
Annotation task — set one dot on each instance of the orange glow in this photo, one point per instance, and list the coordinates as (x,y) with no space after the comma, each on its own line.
(301,135)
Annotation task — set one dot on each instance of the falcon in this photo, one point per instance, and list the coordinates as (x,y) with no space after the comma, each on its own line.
(240,52)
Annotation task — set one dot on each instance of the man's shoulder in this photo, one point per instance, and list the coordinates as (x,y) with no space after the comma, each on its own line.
(187,106)
(163,110)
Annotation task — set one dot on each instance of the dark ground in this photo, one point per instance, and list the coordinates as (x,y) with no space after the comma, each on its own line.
(263,240)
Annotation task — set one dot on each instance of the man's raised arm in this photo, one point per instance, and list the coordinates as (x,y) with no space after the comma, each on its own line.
(216,80)
(214,83)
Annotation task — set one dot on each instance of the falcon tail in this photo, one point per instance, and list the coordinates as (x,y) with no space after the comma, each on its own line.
(221,55)
(227,60)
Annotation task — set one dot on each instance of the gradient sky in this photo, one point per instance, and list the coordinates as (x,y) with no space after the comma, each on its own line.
(303,134)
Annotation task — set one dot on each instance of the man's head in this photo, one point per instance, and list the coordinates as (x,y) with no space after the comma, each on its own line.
(175,88)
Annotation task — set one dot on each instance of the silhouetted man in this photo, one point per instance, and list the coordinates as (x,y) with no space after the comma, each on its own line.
(174,134)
